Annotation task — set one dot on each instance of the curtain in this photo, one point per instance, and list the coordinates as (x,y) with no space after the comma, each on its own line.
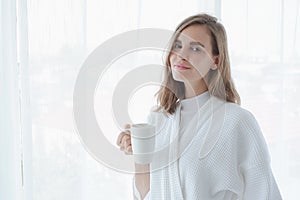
(264,44)
(9,104)
(15,119)
(43,50)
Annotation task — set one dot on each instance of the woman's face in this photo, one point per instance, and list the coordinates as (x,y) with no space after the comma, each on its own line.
(191,56)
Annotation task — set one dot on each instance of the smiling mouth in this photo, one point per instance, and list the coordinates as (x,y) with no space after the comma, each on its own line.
(181,67)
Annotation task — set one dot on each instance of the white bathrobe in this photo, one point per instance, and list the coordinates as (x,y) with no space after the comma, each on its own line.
(220,155)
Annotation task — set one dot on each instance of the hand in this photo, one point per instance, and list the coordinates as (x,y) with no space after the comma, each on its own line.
(124,141)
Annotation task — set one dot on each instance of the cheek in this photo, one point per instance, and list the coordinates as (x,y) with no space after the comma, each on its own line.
(201,64)
(172,59)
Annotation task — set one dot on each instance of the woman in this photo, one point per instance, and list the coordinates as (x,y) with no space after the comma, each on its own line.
(215,148)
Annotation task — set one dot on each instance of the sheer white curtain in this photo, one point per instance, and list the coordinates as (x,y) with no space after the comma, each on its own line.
(9,105)
(15,119)
(61,34)
(42,52)
(265,52)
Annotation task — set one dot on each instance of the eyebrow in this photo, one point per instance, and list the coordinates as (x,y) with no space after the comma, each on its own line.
(192,43)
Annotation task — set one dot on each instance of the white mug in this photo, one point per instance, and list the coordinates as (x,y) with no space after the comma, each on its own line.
(142,142)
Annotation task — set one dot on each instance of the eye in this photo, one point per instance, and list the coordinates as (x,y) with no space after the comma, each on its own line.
(196,49)
(177,46)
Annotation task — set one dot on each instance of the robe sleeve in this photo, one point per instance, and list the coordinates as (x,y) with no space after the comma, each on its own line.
(259,182)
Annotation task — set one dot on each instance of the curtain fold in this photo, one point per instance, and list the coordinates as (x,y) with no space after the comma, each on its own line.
(10,159)
(24,95)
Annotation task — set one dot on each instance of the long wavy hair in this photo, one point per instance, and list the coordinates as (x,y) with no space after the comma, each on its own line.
(219,82)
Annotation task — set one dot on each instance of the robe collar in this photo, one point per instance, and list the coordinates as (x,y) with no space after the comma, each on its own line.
(212,112)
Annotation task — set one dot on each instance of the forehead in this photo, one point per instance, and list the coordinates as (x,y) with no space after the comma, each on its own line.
(197,33)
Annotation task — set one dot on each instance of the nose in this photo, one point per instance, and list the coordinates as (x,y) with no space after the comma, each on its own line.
(183,54)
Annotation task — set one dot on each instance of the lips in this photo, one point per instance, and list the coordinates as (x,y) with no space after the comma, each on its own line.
(181,67)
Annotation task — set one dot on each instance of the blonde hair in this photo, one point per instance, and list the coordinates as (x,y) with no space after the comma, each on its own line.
(219,82)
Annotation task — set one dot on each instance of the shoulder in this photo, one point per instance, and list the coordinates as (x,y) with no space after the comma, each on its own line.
(233,115)
(241,122)
(238,111)
(239,116)
(246,134)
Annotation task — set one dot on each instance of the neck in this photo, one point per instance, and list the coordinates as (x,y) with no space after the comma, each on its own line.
(195,88)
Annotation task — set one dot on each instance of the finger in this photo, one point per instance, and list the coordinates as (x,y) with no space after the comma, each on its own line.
(127,132)
(127,142)
(128,150)
(120,137)
(127,126)
(123,141)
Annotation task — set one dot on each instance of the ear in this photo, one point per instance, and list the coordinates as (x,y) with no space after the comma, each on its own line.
(216,60)
(216,63)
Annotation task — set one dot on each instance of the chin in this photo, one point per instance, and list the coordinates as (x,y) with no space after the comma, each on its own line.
(180,78)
